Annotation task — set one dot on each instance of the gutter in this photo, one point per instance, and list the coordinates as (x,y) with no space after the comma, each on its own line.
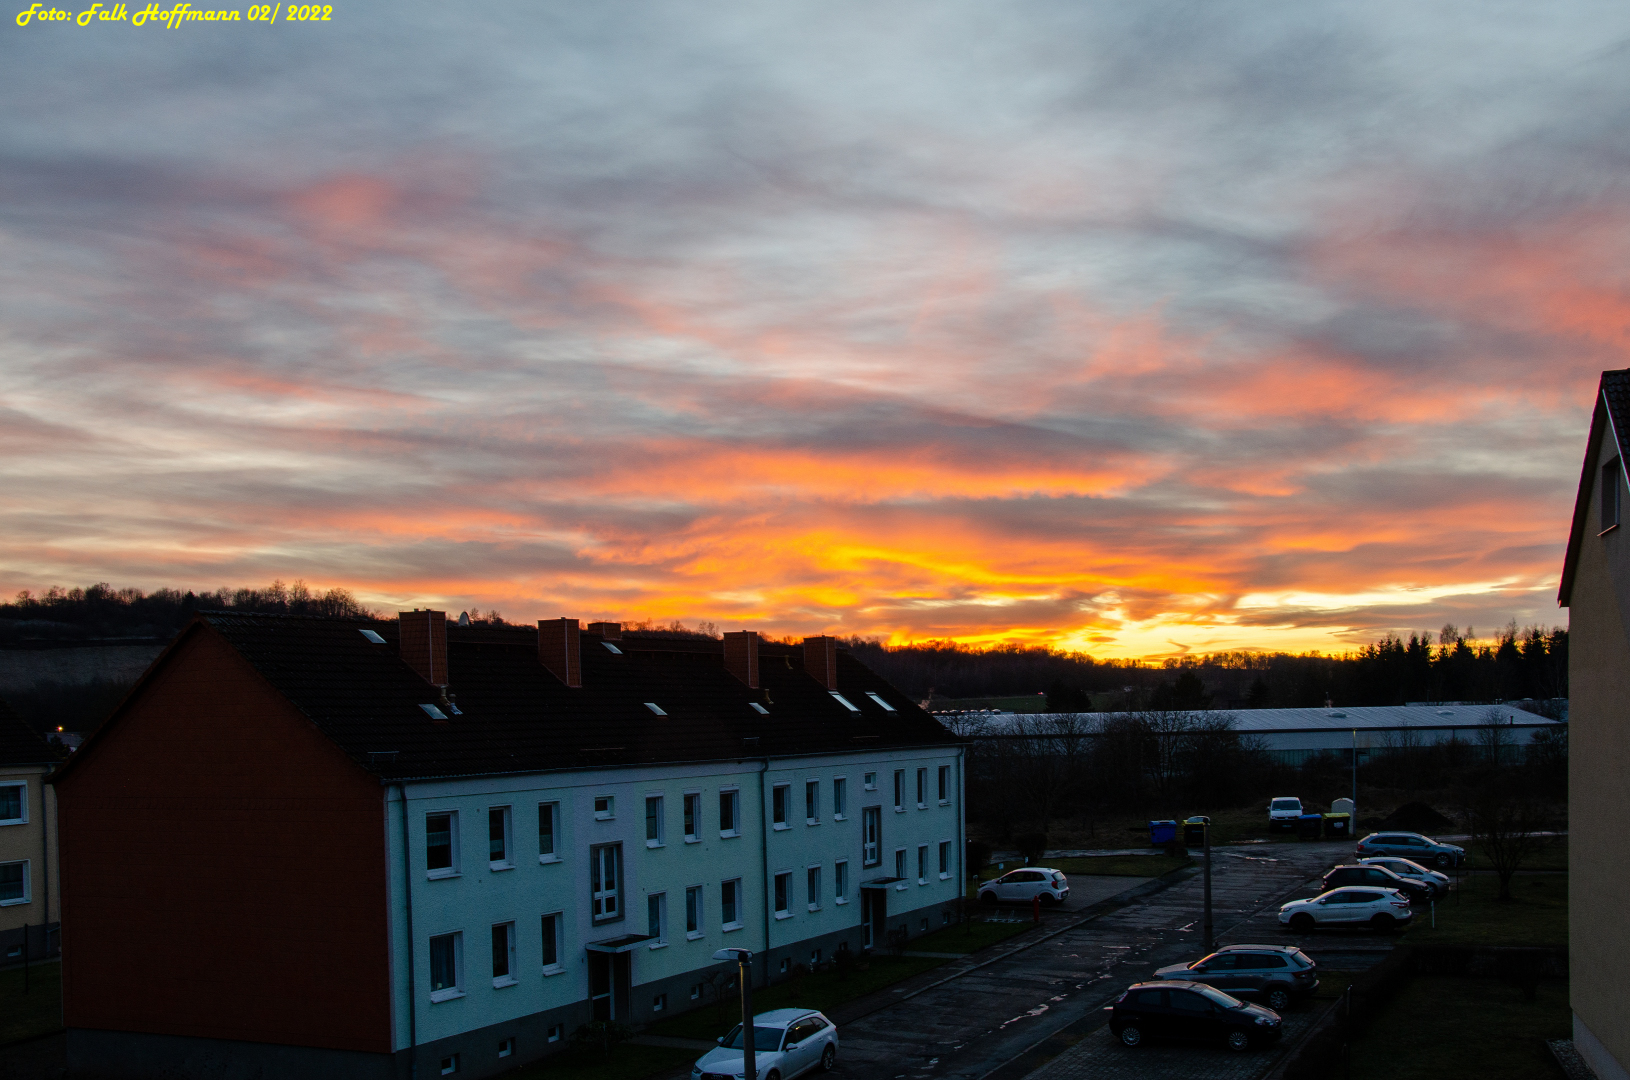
(764,864)
(413,991)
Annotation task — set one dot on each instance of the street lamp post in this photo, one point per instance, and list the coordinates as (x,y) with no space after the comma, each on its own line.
(744,960)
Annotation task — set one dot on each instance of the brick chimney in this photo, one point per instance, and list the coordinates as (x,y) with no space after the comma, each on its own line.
(821,660)
(422,642)
(560,649)
(611,631)
(741,656)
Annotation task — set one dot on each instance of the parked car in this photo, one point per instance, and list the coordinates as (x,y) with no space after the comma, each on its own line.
(786,1043)
(1022,886)
(1378,876)
(1189,1011)
(1284,812)
(1414,871)
(1276,975)
(1351,905)
(1414,847)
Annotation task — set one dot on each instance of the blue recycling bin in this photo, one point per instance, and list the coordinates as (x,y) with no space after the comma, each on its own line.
(1310,826)
(1162,833)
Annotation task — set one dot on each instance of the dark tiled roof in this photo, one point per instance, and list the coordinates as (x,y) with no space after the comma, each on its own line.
(517,717)
(21,744)
(1610,419)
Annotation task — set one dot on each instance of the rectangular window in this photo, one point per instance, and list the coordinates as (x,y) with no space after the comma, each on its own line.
(871,832)
(778,805)
(498,838)
(693,912)
(1610,494)
(449,1065)
(556,1032)
(441,844)
(503,954)
(693,818)
(656,916)
(552,943)
(945,784)
(605,878)
(922,788)
(899,789)
(659,1003)
(840,798)
(922,864)
(729,813)
(899,862)
(783,899)
(871,781)
(605,807)
(446,966)
(653,821)
(13,804)
(506,1047)
(812,802)
(812,887)
(945,858)
(730,904)
(14,883)
(840,881)
(548,827)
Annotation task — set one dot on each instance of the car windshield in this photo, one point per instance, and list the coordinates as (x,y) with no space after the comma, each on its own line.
(1219,998)
(1286,804)
(764,1038)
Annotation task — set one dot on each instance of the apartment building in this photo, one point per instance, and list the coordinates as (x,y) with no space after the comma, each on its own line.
(29,910)
(416,847)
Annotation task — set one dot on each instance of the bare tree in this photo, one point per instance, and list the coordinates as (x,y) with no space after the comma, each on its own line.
(1495,738)
(1507,827)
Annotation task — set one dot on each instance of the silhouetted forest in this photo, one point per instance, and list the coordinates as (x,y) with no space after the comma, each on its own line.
(101,611)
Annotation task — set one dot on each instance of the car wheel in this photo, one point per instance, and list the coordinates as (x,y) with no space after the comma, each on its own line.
(1238,1040)
(1301,922)
(1444,861)
(988,899)
(1382,922)
(829,1057)
(1131,1035)
(1278,1000)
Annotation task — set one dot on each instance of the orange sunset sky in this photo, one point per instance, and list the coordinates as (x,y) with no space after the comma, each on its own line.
(1144,329)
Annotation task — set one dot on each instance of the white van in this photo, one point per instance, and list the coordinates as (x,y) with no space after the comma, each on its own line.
(1283,812)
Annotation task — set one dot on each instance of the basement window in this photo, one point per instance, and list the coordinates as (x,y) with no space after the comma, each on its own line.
(371,636)
(654,707)
(880,701)
(845,702)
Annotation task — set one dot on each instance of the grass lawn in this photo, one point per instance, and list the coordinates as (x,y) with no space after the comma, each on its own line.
(1537,914)
(37,1012)
(967,938)
(1551,857)
(1442,1026)
(1152,865)
(625,1062)
(822,990)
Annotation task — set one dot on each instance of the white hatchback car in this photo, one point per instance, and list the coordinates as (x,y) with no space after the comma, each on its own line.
(1024,885)
(1350,905)
(786,1043)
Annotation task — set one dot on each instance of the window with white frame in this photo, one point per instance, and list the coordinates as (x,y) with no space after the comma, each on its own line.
(899,789)
(659,1002)
(871,832)
(13,804)
(899,862)
(693,913)
(870,781)
(605,882)
(446,966)
(945,859)
(653,821)
(780,795)
(441,844)
(605,807)
(922,864)
(730,812)
(877,698)
(498,838)
(812,887)
(556,1032)
(731,913)
(503,954)
(783,895)
(656,917)
(945,784)
(506,1047)
(840,798)
(553,944)
(840,881)
(548,831)
(14,884)
(812,802)
(449,1065)
(922,788)
(693,817)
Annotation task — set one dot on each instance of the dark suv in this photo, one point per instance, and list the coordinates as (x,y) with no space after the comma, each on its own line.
(1276,975)
(1379,877)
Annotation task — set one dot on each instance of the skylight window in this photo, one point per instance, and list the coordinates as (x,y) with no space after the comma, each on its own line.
(845,702)
(371,636)
(654,707)
(433,712)
(612,648)
(761,710)
(880,701)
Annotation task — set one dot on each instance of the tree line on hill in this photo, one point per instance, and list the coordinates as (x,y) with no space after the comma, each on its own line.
(101,611)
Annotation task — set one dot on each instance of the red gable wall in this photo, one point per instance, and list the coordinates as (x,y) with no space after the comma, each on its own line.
(223,867)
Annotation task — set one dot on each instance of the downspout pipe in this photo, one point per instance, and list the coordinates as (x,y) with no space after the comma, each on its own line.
(407,895)
(764,865)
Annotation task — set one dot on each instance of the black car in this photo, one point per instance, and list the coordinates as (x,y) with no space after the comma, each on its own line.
(1377,877)
(1189,1011)
(1276,975)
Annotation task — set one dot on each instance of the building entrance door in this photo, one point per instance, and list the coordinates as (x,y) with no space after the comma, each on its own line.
(874,905)
(601,999)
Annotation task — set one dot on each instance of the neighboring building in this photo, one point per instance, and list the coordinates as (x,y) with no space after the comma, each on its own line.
(29,907)
(1596,591)
(588,818)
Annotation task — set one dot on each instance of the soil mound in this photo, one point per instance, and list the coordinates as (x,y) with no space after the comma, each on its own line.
(1416,817)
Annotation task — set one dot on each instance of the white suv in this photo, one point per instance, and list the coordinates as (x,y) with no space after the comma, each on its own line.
(1284,811)
(1350,905)
(1022,886)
